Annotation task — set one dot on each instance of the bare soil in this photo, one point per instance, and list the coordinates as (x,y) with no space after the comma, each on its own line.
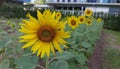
(96,60)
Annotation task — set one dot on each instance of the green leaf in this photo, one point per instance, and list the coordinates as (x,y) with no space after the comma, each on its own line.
(18,48)
(92,37)
(59,65)
(65,55)
(81,58)
(86,44)
(83,67)
(9,51)
(5,64)
(6,42)
(1,31)
(26,62)
(72,64)
(26,52)
(89,51)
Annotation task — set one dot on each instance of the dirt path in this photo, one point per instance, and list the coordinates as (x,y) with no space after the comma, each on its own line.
(107,40)
(96,60)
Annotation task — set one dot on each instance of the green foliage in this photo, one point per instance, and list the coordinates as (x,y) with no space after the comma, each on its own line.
(86,44)
(5,64)
(26,62)
(59,65)
(16,11)
(80,47)
(66,55)
(12,56)
(112,22)
(72,64)
(81,58)
(5,42)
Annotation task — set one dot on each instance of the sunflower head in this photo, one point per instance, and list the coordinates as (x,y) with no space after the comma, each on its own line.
(73,22)
(89,22)
(88,12)
(81,19)
(99,20)
(58,15)
(43,35)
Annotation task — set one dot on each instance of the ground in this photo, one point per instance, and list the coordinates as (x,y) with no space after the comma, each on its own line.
(107,52)
(96,60)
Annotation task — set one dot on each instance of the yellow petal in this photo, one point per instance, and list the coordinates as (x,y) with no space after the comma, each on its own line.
(24,40)
(60,40)
(28,31)
(43,52)
(63,34)
(57,46)
(41,48)
(39,51)
(65,46)
(37,46)
(32,18)
(53,15)
(52,48)
(31,25)
(47,49)
(31,36)
(28,44)
(40,16)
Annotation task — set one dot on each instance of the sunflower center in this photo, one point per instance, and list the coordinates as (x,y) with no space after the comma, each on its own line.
(58,14)
(46,34)
(88,12)
(81,19)
(89,22)
(73,22)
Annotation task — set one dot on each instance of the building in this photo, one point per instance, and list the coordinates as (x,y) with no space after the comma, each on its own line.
(70,1)
(72,5)
(79,5)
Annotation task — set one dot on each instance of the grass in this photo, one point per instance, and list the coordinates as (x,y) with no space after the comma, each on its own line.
(112,50)
(112,59)
(115,34)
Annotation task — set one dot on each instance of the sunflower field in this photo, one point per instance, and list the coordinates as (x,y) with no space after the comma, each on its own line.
(49,41)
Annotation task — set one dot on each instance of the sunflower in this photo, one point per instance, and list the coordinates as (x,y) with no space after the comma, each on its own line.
(89,22)
(43,34)
(88,12)
(73,22)
(99,20)
(46,12)
(81,19)
(58,15)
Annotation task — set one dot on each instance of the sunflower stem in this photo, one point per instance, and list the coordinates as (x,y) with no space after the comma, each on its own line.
(51,60)
(47,64)
(41,66)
